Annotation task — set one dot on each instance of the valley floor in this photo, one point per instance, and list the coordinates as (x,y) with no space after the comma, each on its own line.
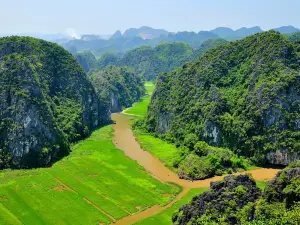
(96,184)
(99,184)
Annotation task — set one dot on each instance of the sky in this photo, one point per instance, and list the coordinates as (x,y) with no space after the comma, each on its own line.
(105,17)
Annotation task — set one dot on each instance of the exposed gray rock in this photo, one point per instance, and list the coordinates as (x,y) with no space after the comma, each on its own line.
(164,122)
(212,132)
(46,102)
(282,157)
(115,105)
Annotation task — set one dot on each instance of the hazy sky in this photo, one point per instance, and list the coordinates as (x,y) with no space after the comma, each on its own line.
(104,17)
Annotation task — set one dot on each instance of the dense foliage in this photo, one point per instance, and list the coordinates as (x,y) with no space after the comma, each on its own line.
(119,87)
(107,59)
(207,161)
(87,60)
(205,46)
(237,200)
(294,37)
(149,62)
(242,95)
(46,102)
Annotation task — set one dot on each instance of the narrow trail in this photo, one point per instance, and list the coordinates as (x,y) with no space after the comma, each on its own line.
(125,140)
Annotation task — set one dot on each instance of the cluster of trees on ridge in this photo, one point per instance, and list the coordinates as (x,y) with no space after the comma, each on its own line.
(47,101)
(146,61)
(243,95)
(238,200)
(118,87)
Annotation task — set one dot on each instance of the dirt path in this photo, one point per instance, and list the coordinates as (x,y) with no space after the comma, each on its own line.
(126,141)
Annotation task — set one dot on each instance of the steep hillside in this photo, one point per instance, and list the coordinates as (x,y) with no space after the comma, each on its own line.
(237,200)
(108,59)
(118,87)
(146,61)
(243,95)
(46,102)
(205,46)
(87,60)
(149,62)
(294,37)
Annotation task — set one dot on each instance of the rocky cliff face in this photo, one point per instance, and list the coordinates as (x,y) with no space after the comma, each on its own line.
(119,87)
(244,95)
(232,194)
(46,102)
(237,200)
(115,104)
(87,60)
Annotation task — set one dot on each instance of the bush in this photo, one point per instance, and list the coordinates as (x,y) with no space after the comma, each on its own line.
(201,148)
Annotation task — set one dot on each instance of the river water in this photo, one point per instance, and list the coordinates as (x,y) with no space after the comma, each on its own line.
(125,140)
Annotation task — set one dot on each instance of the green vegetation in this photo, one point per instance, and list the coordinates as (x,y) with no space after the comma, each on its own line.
(261,185)
(108,59)
(118,87)
(206,45)
(163,150)
(94,183)
(205,161)
(140,108)
(242,95)
(165,217)
(294,37)
(237,200)
(87,60)
(119,43)
(148,62)
(46,102)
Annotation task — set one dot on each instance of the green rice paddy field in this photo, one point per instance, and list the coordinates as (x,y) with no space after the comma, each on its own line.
(165,217)
(140,108)
(95,184)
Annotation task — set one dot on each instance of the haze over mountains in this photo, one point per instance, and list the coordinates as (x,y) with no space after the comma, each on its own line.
(136,37)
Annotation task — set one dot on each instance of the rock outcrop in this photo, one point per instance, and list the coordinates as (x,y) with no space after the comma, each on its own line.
(243,95)
(237,200)
(87,60)
(46,102)
(118,87)
(232,194)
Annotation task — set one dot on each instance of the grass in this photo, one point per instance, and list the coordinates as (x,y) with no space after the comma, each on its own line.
(140,108)
(261,185)
(157,147)
(165,217)
(96,184)
(163,150)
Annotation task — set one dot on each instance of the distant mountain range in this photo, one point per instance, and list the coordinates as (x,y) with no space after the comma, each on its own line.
(136,37)
(228,33)
(222,32)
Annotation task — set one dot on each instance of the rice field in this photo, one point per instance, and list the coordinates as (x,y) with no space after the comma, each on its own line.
(165,217)
(140,108)
(95,184)
(163,150)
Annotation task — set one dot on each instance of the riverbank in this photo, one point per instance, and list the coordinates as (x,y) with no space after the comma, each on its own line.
(95,184)
(125,140)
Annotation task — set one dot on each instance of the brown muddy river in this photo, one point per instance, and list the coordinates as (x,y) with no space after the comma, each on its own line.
(125,141)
